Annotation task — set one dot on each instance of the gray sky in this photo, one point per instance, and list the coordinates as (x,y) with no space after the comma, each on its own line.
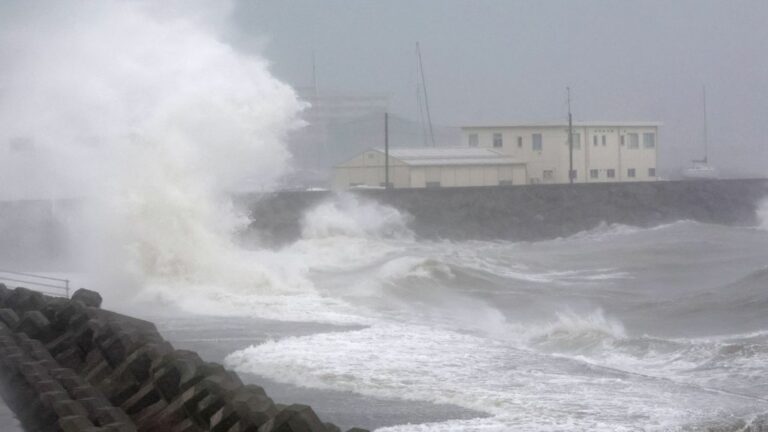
(509,61)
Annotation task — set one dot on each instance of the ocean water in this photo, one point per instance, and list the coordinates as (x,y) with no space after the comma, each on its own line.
(617,328)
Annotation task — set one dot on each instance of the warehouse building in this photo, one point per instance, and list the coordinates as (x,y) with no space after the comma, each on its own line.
(602,151)
(431,167)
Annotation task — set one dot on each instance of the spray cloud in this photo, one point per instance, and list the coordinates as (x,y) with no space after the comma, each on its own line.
(144,110)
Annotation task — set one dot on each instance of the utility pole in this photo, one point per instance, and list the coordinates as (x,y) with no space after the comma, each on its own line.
(386,150)
(570,138)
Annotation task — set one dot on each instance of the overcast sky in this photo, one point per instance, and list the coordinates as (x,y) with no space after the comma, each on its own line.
(510,61)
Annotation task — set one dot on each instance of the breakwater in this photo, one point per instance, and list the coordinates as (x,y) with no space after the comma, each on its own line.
(529,213)
(68,365)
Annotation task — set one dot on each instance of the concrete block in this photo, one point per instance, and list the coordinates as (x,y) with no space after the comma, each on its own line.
(118,347)
(85,392)
(75,424)
(9,318)
(60,343)
(36,326)
(253,404)
(330,427)
(23,299)
(294,418)
(177,374)
(120,427)
(64,315)
(66,408)
(47,386)
(70,358)
(187,426)
(144,397)
(223,419)
(110,415)
(87,297)
(207,407)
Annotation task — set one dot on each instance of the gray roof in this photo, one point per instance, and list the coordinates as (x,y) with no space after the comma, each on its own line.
(561,123)
(434,156)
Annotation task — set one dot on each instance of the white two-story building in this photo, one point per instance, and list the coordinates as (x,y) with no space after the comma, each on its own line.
(602,151)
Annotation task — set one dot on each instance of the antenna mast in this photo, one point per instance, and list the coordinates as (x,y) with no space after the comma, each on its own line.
(426,98)
(314,74)
(570,138)
(706,144)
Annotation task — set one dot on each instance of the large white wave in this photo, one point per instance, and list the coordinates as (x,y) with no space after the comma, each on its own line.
(142,108)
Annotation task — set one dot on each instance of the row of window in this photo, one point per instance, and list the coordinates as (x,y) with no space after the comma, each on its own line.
(611,173)
(631,140)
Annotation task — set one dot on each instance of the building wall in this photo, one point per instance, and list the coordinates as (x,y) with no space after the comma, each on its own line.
(367,169)
(597,148)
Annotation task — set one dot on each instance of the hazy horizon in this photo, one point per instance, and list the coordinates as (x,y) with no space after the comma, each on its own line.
(510,61)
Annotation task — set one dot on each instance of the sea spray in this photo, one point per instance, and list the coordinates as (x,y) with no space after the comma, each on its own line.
(144,111)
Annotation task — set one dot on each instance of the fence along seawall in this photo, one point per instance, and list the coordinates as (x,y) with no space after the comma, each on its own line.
(68,365)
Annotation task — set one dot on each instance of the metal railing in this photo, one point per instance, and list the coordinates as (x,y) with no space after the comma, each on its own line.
(44,284)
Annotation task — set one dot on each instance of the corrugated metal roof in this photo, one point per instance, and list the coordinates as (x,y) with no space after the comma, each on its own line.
(433,156)
(561,123)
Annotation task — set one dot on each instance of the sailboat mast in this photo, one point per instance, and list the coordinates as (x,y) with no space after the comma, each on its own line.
(426,98)
(706,138)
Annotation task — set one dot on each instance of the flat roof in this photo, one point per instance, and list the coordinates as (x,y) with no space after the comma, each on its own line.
(432,156)
(565,124)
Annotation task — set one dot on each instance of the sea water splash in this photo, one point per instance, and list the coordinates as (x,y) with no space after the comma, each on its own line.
(143,109)
(349,215)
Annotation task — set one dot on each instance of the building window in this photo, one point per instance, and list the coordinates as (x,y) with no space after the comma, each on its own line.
(649,140)
(634,142)
(594,140)
(498,140)
(548,175)
(622,140)
(603,140)
(519,142)
(611,173)
(536,142)
(473,140)
(593,173)
(574,174)
(631,173)
(433,184)
(651,172)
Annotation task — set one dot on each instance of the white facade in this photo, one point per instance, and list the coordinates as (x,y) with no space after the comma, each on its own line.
(430,167)
(602,151)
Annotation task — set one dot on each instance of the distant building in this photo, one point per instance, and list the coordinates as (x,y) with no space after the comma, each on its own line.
(430,167)
(515,155)
(602,151)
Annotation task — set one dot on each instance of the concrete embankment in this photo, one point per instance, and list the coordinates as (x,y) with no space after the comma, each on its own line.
(532,212)
(67,365)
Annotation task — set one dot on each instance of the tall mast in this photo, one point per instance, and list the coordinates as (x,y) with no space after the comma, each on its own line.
(314,74)
(706,138)
(426,98)
(570,138)
(386,150)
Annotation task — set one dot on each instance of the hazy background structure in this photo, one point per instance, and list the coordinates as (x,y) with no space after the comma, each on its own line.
(501,61)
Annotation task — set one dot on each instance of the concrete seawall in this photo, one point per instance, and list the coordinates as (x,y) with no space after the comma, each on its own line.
(533,212)
(67,365)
